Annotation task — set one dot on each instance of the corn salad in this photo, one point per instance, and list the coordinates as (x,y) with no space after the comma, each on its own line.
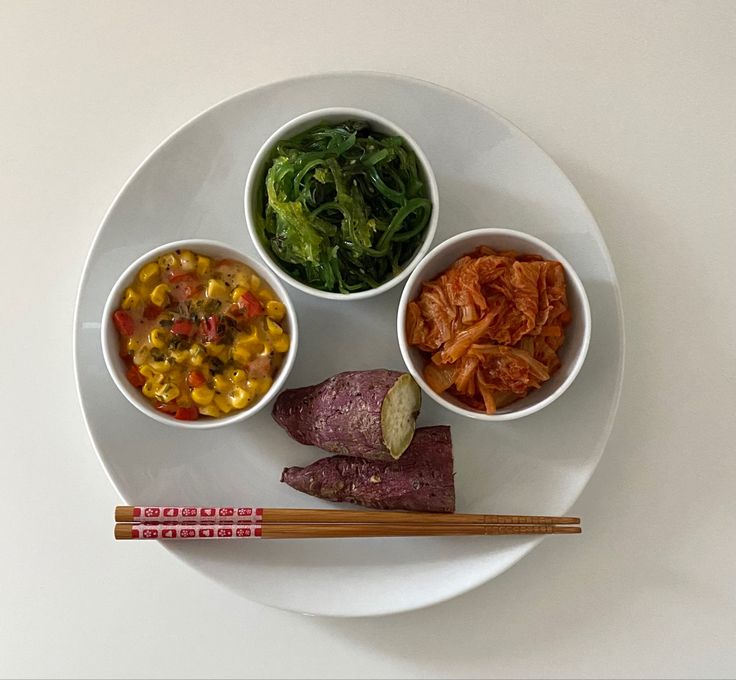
(200,337)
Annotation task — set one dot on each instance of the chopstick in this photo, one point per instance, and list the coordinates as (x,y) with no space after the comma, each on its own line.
(264,516)
(277,531)
(230,522)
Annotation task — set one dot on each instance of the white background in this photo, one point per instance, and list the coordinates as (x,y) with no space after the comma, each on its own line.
(637,104)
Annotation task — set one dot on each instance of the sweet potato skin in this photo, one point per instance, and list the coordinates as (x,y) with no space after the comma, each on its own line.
(341,414)
(422,480)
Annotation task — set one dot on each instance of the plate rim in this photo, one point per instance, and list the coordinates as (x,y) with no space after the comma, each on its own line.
(526,548)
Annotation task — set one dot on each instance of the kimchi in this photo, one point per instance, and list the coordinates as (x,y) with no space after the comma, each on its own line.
(491,325)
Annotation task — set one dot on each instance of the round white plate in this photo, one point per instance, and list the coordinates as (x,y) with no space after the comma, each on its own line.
(490,175)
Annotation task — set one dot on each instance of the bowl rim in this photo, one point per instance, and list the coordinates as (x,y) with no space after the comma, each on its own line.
(110,352)
(303,120)
(571,277)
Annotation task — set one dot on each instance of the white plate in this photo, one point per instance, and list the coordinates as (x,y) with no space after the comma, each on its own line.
(490,175)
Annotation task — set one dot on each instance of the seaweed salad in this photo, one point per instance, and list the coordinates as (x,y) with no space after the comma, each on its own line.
(343,208)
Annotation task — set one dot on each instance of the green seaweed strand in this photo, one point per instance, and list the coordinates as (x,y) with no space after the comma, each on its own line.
(343,207)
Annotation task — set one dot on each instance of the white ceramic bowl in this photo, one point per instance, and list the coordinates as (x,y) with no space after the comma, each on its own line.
(117,369)
(256,175)
(577,334)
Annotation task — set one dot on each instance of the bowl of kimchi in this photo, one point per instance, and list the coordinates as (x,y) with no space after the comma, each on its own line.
(494,324)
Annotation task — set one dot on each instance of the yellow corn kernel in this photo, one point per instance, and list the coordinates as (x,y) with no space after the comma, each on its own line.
(275,310)
(238,292)
(168,261)
(149,389)
(222,384)
(167,392)
(241,354)
(253,346)
(132,345)
(147,372)
(247,338)
(254,349)
(179,355)
(236,375)
(223,403)
(263,295)
(157,337)
(130,299)
(239,398)
(196,354)
(188,261)
(148,271)
(265,349)
(274,330)
(215,349)
(216,289)
(255,282)
(281,344)
(159,295)
(203,264)
(210,410)
(161,366)
(263,384)
(202,396)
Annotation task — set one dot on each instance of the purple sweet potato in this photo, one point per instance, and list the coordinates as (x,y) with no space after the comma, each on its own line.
(369,414)
(422,480)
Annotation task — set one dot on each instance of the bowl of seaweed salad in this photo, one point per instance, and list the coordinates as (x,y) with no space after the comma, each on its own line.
(341,203)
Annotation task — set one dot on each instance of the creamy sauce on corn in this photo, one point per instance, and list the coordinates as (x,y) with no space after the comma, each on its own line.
(200,337)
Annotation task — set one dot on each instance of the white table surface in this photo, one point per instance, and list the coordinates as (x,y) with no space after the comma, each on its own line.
(635,101)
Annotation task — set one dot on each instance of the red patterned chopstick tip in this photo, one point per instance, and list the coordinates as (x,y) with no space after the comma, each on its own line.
(155,532)
(229,514)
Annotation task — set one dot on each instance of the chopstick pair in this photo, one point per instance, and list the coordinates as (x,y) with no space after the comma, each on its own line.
(188,523)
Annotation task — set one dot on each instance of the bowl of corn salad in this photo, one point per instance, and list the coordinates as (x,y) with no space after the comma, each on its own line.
(197,334)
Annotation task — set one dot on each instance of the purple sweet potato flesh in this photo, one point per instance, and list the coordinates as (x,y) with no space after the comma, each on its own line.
(345,414)
(422,480)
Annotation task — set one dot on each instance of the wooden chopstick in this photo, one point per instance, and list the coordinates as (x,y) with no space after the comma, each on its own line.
(292,531)
(249,515)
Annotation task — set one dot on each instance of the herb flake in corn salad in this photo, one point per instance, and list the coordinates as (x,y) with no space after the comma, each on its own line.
(200,337)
